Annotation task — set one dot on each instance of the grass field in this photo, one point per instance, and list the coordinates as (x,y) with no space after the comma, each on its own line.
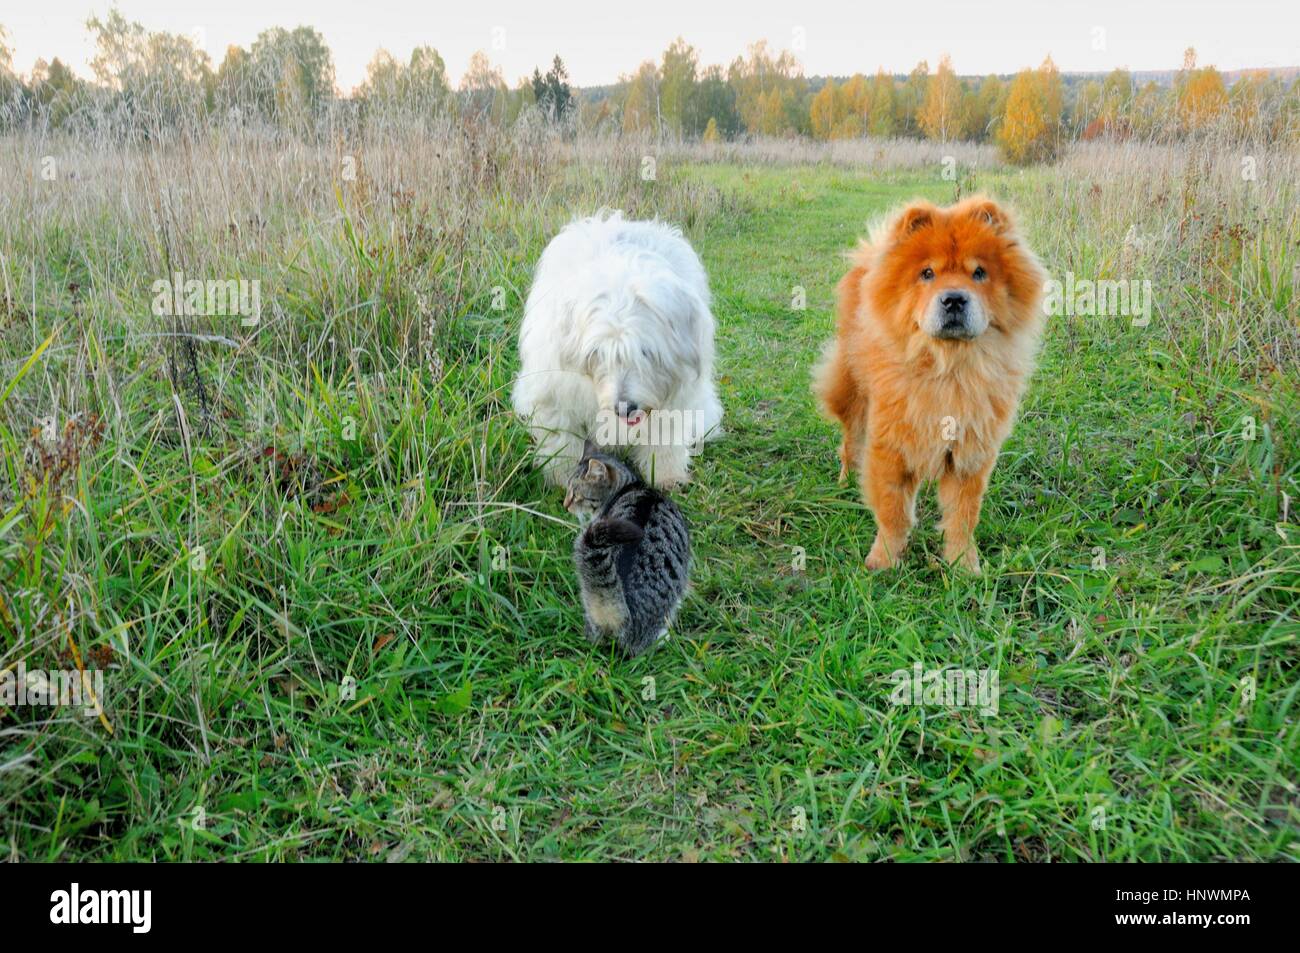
(339,613)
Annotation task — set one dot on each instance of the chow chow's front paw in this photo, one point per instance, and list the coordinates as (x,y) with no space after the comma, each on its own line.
(882,556)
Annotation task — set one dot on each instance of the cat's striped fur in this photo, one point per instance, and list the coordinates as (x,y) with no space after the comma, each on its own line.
(633,556)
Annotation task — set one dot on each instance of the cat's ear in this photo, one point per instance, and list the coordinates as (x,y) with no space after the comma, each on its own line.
(588,448)
(596,470)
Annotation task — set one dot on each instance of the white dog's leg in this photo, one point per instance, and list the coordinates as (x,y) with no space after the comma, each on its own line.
(558,452)
(670,465)
(713,427)
(707,423)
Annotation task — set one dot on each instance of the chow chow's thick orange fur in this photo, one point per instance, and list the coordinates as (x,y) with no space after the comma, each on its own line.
(915,407)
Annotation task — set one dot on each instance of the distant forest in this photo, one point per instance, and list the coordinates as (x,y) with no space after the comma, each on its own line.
(146,81)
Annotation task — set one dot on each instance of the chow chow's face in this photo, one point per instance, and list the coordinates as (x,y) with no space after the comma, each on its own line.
(953,274)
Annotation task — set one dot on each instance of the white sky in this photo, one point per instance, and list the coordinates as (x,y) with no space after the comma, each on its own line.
(599,40)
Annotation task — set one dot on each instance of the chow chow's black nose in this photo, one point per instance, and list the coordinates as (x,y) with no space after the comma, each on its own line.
(954,303)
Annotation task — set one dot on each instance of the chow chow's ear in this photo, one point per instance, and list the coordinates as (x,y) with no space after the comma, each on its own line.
(917,215)
(991,213)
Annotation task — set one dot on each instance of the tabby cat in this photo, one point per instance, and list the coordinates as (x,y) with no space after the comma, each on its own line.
(633,553)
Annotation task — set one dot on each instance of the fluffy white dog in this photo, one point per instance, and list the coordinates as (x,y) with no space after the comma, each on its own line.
(617,346)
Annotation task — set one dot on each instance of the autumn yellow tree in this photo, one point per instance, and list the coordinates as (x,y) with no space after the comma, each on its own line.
(828,111)
(910,98)
(1030,125)
(1116,102)
(1286,124)
(1246,102)
(1053,92)
(1085,114)
(598,115)
(987,108)
(1023,130)
(857,107)
(769,90)
(1200,94)
(678,74)
(483,90)
(9,86)
(773,117)
(1149,116)
(940,116)
(641,106)
(1282,122)
(882,122)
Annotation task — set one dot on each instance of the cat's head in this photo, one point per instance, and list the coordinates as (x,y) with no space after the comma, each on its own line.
(596,478)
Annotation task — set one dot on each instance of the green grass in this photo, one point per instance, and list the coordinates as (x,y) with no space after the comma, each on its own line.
(422,558)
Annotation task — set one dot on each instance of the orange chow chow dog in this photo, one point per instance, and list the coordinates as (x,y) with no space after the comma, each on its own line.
(939,321)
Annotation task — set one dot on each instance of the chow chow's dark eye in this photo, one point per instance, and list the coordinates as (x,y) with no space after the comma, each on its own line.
(927,274)
(979,274)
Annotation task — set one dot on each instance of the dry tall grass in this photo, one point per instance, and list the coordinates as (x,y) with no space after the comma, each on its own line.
(360,246)
(1213,226)
(364,244)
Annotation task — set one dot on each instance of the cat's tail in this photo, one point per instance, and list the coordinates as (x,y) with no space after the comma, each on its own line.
(613,532)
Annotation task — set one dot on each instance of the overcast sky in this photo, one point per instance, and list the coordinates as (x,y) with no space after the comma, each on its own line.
(599,41)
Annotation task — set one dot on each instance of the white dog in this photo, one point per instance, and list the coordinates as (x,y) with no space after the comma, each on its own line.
(617,346)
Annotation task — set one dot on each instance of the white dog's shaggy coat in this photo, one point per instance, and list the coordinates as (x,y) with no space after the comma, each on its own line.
(617,347)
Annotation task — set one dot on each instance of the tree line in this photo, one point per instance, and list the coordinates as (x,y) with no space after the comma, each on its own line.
(148,80)
(1029,114)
